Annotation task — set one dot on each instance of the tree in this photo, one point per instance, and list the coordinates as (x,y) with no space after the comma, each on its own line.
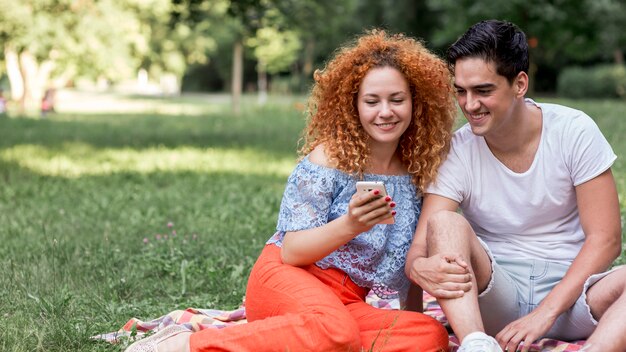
(337,19)
(47,42)
(411,17)
(612,16)
(182,34)
(342,20)
(62,37)
(246,16)
(275,51)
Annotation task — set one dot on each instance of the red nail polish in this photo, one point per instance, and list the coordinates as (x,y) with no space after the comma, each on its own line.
(387,198)
(376,192)
(393,212)
(392,204)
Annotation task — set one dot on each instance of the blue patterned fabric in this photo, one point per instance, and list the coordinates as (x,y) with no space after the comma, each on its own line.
(316,195)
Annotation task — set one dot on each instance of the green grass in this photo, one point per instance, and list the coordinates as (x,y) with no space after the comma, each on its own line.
(82,193)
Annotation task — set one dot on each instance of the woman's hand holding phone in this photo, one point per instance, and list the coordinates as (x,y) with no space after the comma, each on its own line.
(370,205)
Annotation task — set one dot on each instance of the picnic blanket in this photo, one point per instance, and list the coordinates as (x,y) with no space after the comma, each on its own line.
(196,319)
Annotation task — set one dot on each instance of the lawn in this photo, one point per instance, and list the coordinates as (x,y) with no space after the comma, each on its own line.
(133,207)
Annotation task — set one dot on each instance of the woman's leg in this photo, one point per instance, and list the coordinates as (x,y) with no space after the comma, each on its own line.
(288,309)
(397,330)
(384,329)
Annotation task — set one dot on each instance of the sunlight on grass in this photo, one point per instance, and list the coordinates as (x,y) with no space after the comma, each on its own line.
(74,101)
(80,159)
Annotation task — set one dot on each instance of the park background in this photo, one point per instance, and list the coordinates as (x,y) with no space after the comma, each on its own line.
(158,179)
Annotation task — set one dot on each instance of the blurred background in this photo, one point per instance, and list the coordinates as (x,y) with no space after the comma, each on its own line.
(169,47)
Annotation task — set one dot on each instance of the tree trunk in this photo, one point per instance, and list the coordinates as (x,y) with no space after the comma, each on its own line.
(28,68)
(27,78)
(309,49)
(262,84)
(14,73)
(237,81)
(618,56)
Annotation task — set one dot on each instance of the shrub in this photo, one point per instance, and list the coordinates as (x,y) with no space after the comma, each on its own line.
(601,81)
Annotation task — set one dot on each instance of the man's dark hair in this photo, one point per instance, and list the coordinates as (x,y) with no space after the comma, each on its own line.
(500,42)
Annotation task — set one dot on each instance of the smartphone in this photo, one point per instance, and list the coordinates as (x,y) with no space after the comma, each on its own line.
(368,186)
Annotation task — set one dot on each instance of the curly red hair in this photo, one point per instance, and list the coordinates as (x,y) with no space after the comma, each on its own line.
(333,118)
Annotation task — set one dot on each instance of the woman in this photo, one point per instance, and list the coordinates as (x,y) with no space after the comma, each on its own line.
(382,110)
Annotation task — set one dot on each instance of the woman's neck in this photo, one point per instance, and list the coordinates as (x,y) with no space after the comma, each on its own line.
(385,161)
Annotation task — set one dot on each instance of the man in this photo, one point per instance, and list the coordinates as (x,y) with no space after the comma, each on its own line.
(540,209)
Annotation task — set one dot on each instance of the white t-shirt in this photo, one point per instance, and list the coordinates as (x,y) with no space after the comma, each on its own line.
(531,214)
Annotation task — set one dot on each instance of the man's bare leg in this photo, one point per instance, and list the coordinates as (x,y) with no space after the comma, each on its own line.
(607,299)
(449,232)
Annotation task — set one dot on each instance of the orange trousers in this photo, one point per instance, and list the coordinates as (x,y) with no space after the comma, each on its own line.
(311,309)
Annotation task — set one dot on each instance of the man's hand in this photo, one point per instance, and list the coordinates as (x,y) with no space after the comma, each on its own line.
(526,329)
(442,275)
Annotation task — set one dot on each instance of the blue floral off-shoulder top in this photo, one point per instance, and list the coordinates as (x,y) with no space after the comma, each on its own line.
(316,195)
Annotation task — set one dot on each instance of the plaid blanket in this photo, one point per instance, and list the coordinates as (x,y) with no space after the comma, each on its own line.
(196,319)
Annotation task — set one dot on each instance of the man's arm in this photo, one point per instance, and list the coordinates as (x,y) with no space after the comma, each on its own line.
(441,275)
(598,207)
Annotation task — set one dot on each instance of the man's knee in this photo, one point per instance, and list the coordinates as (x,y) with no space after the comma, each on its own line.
(606,292)
(616,284)
(445,225)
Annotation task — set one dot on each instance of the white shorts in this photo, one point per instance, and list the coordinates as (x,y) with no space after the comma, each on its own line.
(517,286)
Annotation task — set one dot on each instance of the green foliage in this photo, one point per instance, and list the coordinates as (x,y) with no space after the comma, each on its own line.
(612,14)
(559,37)
(411,17)
(79,37)
(112,39)
(98,41)
(109,38)
(172,40)
(276,50)
(12,21)
(601,81)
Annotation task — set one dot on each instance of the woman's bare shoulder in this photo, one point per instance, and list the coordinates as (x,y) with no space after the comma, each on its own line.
(318,156)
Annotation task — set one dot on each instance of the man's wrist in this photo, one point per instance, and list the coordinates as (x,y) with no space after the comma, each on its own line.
(416,267)
(550,309)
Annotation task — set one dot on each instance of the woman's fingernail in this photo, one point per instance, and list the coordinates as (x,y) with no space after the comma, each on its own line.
(376,192)
(393,212)
(392,204)
(387,198)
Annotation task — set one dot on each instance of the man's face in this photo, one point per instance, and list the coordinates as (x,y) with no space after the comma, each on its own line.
(486,98)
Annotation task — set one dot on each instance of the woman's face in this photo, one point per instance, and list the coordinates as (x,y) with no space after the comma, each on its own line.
(385,105)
